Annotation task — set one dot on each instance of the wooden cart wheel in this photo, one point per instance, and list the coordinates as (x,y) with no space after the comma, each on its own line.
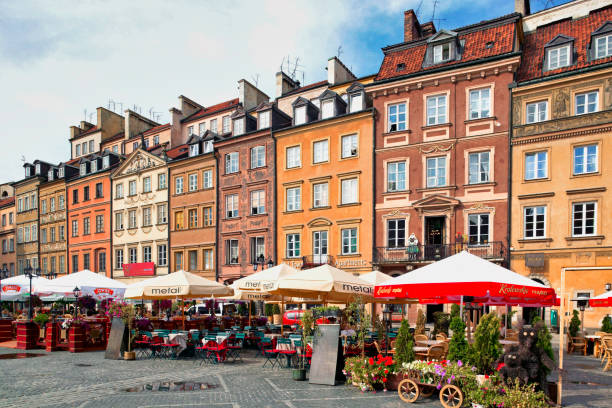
(427,392)
(408,390)
(451,396)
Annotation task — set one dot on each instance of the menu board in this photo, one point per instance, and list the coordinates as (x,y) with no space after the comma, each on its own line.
(117,340)
(327,356)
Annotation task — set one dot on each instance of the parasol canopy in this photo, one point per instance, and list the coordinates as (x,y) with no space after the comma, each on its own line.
(377,278)
(178,284)
(90,283)
(470,276)
(603,300)
(265,280)
(15,287)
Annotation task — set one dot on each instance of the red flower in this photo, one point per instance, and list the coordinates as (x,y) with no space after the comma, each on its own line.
(371,361)
(386,371)
(384,380)
(500,366)
(486,377)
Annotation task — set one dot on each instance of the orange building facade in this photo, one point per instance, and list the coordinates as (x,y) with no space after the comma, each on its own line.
(8,256)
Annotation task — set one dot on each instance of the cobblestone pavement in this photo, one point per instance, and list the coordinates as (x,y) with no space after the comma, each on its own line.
(63,379)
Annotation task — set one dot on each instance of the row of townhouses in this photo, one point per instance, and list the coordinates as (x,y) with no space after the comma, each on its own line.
(489,138)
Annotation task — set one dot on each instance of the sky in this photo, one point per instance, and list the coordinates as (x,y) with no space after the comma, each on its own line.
(60,60)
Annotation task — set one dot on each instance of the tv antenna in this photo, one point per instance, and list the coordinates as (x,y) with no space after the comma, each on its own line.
(339,51)
(433,14)
(255,79)
(90,115)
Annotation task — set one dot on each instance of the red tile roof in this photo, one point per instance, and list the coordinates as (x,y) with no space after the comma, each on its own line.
(7,202)
(177,151)
(212,109)
(580,30)
(501,34)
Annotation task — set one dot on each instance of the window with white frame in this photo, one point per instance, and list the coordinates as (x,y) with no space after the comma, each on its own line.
(480,103)
(115,149)
(257,250)
(586,102)
(231,163)
(77,153)
(436,109)
(441,53)
(603,46)
(118,221)
(320,151)
(293,157)
(155,140)
(396,176)
(208,259)
(132,223)
(258,156)
(193,260)
(396,117)
(231,251)
(349,146)
(94,166)
(584,219)
(263,120)
(536,165)
(202,128)
(349,241)
(294,199)
(146,184)
(133,255)
(162,255)
(146,217)
(478,229)
(537,111)
(238,126)
(190,130)
(207,179)
(83,169)
(349,193)
(320,192)
(161,181)
(208,216)
(534,220)
(118,258)
(192,218)
(213,125)
(86,226)
(327,109)
(194,149)
(300,115)
(193,182)
(356,102)
(146,254)
(132,187)
(52,204)
(258,202)
(231,206)
(478,167)
(208,146)
(293,245)
(436,171)
(585,159)
(225,124)
(162,213)
(396,233)
(558,57)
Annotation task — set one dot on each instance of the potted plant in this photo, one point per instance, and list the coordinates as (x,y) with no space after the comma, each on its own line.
(307,322)
(127,313)
(485,350)
(574,326)
(278,319)
(606,325)
(404,353)
(458,347)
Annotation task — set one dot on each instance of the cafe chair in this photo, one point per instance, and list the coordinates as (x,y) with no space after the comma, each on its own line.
(577,343)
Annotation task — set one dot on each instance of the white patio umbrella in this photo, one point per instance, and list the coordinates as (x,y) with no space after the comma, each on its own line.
(176,285)
(265,280)
(15,287)
(89,283)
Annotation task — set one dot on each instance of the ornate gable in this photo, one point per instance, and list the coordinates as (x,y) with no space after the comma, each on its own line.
(435,202)
(137,162)
(320,222)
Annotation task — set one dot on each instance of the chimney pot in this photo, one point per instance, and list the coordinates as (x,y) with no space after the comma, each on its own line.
(412,28)
(522,6)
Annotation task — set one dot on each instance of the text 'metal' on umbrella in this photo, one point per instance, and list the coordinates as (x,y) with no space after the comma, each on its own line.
(176,285)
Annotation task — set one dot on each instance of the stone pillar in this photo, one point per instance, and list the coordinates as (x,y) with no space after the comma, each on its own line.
(27,335)
(76,339)
(52,336)
(6,330)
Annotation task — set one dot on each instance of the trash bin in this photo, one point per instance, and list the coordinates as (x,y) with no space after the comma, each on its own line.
(554,320)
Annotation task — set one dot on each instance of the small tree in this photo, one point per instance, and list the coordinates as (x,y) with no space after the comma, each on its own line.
(360,320)
(486,348)
(404,344)
(379,327)
(420,323)
(606,325)
(441,322)
(275,309)
(458,348)
(455,310)
(574,326)
(307,322)
(269,309)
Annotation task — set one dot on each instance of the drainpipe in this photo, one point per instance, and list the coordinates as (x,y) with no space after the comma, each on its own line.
(274,252)
(509,210)
(110,230)
(218,219)
(169,219)
(374,249)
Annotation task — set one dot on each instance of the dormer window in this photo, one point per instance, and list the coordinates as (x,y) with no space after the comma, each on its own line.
(77,150)
(50,175)
(327,109)
(300,115)
(264,120)
(83,169)
(603,46)
(28,171)
(238,126)
(441,53)
(190,130)
(105,162)
(208,146)
(60,172)
(38,169)
(558,57)
(94,166)
(193,150)
(356,102)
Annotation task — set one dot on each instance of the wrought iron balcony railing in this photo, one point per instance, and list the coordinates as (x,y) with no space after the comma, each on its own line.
(311,261)
(492,251)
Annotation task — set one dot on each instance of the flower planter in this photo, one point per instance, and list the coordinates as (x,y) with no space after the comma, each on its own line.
(6,329)
(76,338)
(475,405)
(27,335)
(277,318)
(129,355)
(299,374)
(552,390)
(393,381)
(52,336)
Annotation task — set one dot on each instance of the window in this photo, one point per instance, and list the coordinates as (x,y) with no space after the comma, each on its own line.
(208,259)
(178,183)
(132,187)
(327,109)
(478,228)
(207,179)
(44,265)
(146,254)
(239,126)
(320,195)
(83,169)
(396,176)
(356,102)
(257,250)
(264,120)
(396,117)
(213,125)
(603,46)
(132,219)
(320,151)
(146,184)
(178,260)
(43,238)
(52,204)
(134,146)
(536,165)
(300,115)
(202,128)
(231,163)
(193,260)
(133,255)
(293,245)
(116,149)
(208,146)
(91,146)
(86,225)
(226,124)
(99,223)
(43,206)
(146,217)
(62,264)
(192,218)
(396,233)
(585,159)
(26,203)
(161,181)
(19,235)
(193,182)
(258,202)
(537,112)
(99,193)
(231,206)
(162,255)
(190,130)
(179,223)
(349,191)
(155,140)
(586,102)
(480,103)
(3,220)
(294,200)
(436,171)
(441,53)
(479,167)
(118,221)
(162,213)
(558,57)
(11,216)
(20,205)
(94,166)
(436,110)
(208,216)
(61,202)
(232,251)
(258,156)
(584,216)
(53,264)
(85,193)
(535,222)
(349,241)
(86,263)
(52,234)
(34,232)
(78,153)
(61,233)
(293,157)
(75,263)
(102,261)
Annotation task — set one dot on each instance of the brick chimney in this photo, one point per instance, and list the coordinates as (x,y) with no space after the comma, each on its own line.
(522,6)
(412,28)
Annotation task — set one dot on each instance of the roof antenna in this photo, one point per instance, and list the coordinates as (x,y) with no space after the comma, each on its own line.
(339,52)
(433,13)
(255,79)
(92,113)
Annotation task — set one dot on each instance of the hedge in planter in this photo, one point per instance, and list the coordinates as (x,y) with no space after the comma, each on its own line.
(420,323)
(441,323)
(404,344)
(574,326)
(486,348)
(458,348)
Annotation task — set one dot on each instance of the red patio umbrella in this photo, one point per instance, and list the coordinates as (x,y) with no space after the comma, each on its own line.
(603,300)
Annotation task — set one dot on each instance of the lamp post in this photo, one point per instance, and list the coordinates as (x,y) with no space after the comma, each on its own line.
(387,316)
(608,287)
(30,273)
(51,275)
(77,292)
(261,260)
(3,275)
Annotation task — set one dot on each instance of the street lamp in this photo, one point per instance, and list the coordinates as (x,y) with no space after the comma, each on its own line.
(582,302)
(51,275)
(30,273)
(387,316)
(608,287)
(270,263)
(77,292)
(3,275)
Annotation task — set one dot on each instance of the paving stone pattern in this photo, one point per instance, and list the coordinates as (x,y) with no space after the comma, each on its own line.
(62,379)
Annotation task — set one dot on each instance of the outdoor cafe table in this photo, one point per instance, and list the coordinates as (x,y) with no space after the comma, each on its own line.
(429,342)
(508,342)
(418,349)
(177,338)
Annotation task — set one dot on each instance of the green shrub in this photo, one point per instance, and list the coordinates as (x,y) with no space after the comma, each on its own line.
(486,348)
(606,325)
(276,309)
(242,309)
(455,310)
(441,323)
(269,309)
(574,326)
(420,323)
(404,344)
(458,347)
(41,319)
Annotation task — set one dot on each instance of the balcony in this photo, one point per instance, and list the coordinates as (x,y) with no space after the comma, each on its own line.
(312,261)
(418,254)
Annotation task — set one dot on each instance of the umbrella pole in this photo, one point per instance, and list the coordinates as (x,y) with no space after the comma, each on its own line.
(461,308)
(282,313)
(249,303)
